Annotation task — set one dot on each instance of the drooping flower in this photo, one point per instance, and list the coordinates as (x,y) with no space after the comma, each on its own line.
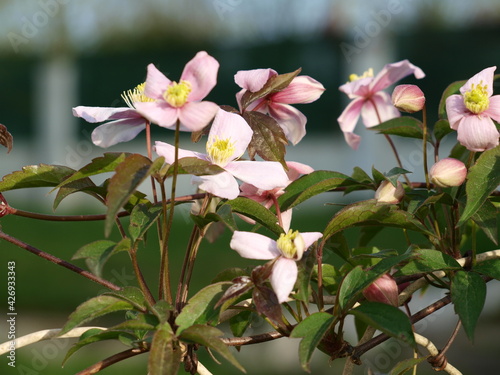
(182,100)
(368,99)
(228,139)
(408,98)
(267,197)
(448,172)
(388,193)
(302,89)
(471,112)
(287,250)
(125,122)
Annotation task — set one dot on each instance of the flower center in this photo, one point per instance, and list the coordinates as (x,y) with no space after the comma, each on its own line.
(136,96)
(220,150)
(292,245)
(367,74)
(177,93)
(476,99)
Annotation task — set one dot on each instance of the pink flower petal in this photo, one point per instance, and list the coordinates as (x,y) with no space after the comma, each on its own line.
(296,169)
(156,83)
(310,238)
(349,117)
(283,278)
(201,73)
(253,80)
(494,108)
(391,73)
(233,126)
(223,185)
(161,113)
(456,110)
(477,133)
(302,89)
(100,114)
(290,119)
(352,140)
(265,175)
(286,219)
(357,88)
(114,132)
(484,77)
(168,152)
(378,109)
(195,116)
(254,246)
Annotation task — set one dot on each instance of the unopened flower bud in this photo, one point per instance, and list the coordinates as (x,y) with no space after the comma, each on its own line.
(384,290)
(387,193)
(448,172)
(408,98)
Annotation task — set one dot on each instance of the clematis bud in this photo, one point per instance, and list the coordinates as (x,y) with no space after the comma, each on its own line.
(384,290)
(408,98)
(387,193)
(448,172)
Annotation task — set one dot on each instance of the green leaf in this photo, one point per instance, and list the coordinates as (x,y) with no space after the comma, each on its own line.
(241,322)
(32,176)
(200,308)
(102,164)
(441,129)
(165,355)
(490,267)
(486,219)
(84,185)
(94,308)
(96,254)
(386,318)
(195,166)
(273,85)
(371,213)
(311,329)
(143,322)
(6,139)
(453,88)
(406,365)
(361,176)
(425,261)
(130,294)
(129,175)
(255,211)
(483,178)
(268,140)
(404,126)
(141,219)
(210,338)
(330,277)
(224,215)
(310,185)
(468,293)
(305,267)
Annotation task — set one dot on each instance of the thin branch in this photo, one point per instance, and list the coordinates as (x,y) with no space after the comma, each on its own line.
(95,368)
(58,261)
(433,351)
(256,339)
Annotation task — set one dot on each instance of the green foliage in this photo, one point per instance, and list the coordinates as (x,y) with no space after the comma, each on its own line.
(165,354)
(404,126)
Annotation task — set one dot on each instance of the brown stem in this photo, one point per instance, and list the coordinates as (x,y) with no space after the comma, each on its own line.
(140,277)
(238,341)
(95,368)
(439,361)
(58,261)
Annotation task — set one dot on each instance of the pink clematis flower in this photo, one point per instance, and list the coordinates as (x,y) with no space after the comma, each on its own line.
(302,89)
(228,139)
(182,101)
(125,122)
(471,112)
(268,197)
(287,250)
(368,100)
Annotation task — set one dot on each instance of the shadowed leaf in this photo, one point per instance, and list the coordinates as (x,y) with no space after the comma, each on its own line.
(6,138)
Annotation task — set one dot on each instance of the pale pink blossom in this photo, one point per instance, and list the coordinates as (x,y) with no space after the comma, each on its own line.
(125,122)
(471,112)
(302,89)
(286,251)
(182,100)
(227,141)
(368,99)
(268,197)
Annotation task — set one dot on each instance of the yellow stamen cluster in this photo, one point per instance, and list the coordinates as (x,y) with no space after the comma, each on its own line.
(177,93)
(355,77)
(220,150)
(291,245)
(136,96)
(476,99)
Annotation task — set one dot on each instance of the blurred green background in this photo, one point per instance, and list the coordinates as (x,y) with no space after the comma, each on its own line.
(58,54)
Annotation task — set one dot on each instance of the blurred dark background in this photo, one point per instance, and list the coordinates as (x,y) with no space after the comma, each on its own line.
(57,54)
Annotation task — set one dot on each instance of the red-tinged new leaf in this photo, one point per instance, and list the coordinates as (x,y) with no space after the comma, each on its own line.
(6,138)
(266,303)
